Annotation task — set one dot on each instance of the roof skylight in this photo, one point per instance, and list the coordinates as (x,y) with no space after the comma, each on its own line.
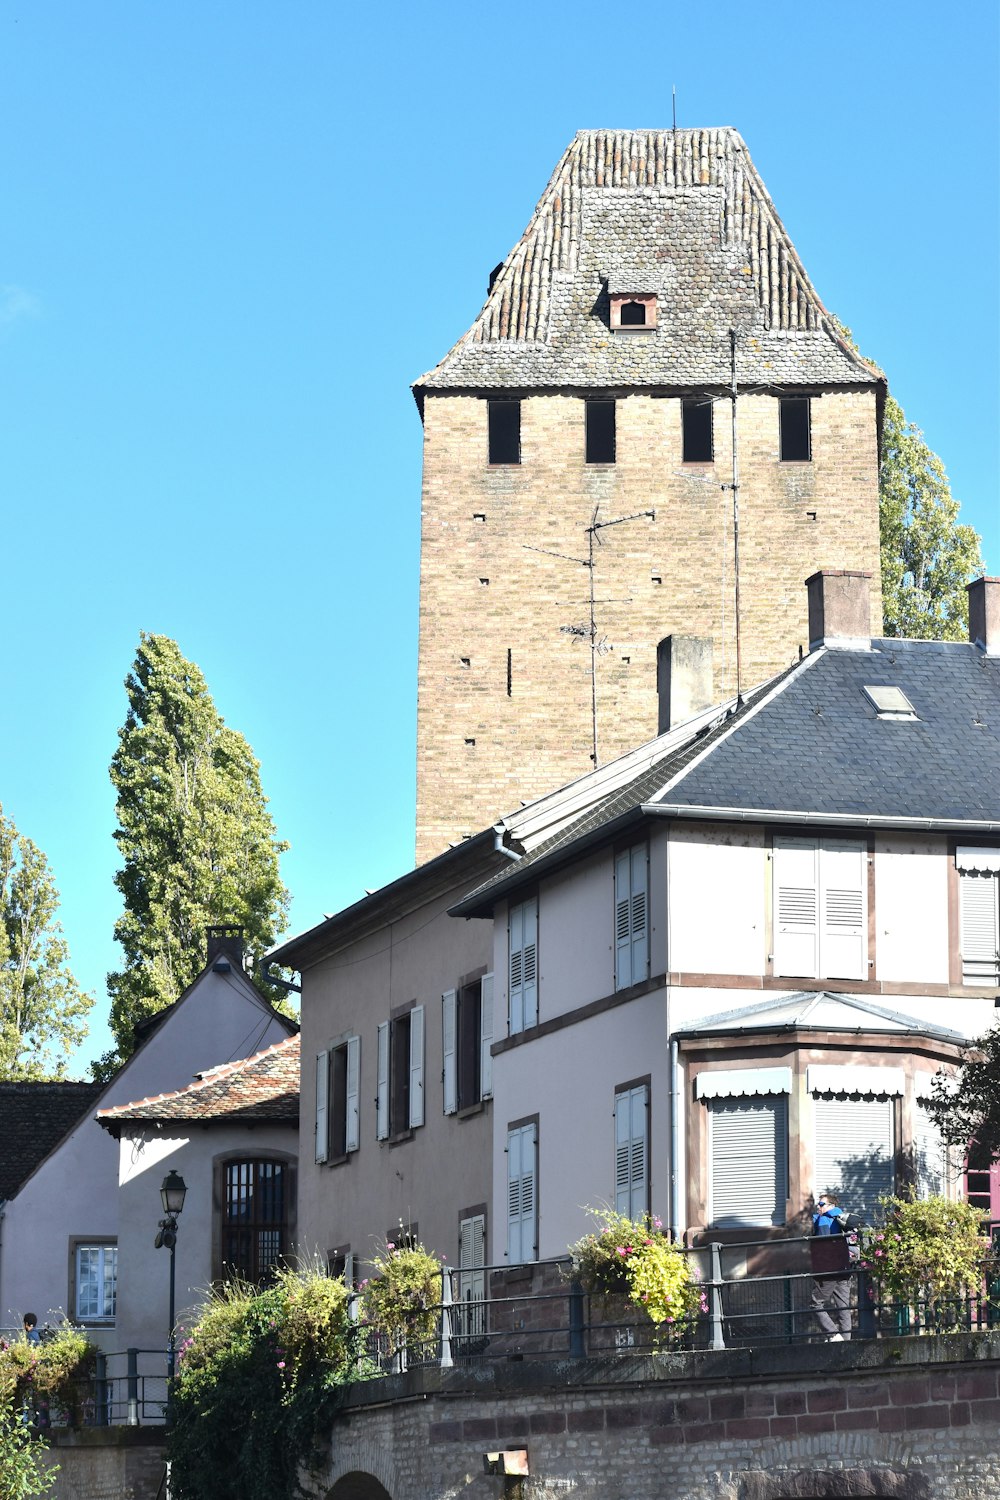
(890,702)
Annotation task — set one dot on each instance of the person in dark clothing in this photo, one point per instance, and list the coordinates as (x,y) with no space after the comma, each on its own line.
(831,1295)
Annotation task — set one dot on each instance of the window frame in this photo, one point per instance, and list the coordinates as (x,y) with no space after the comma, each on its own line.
(102,1244)
(791,429)
(286,1226)
(503,431)
(466,1043)
(338,1101)
(600,431)
(689,406)
(401,1068)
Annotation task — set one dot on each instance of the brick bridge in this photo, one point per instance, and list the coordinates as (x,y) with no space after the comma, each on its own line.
(913,1418)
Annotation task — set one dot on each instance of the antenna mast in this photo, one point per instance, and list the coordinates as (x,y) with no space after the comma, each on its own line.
(735,487)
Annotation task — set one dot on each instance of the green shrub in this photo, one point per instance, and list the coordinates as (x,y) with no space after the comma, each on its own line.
(933,1251)
(22,1472)
(402,1296)
(637,1259)
(259,1377)
(57,1371)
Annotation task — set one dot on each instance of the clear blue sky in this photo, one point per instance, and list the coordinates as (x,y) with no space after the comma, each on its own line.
(233,234)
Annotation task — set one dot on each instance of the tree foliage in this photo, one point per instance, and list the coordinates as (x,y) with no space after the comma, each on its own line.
(966,1106)
(197,841)
(927,557)
(42,1008)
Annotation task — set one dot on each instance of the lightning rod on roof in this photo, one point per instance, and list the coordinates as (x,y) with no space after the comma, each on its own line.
(673,92)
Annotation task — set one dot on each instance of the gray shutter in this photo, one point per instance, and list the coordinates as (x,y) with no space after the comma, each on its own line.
(382,1093)
(796,908)
(449,1072)
(748,1144)
(486,1037)
(352,1124)
(623,931)
(515,978)
(639,913)
(979,939)
(843,943)
(322,1103)
(416,1066)
(854,1150)
(632,1152)
(523,966)
(521,1195)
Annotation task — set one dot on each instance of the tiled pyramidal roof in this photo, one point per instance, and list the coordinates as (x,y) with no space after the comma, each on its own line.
(263,1087)
(682,214)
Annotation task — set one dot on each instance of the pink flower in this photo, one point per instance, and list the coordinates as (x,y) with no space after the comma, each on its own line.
(281,1364)
(390,1245)
(657,1223)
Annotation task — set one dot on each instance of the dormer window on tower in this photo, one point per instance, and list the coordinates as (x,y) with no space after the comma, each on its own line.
(633,312)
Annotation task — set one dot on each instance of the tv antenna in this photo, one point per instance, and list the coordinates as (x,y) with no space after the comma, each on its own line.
(598,646)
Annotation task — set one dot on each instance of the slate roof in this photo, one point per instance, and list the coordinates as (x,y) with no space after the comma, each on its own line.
(686,215)
(805,1010)
(810,746)
(34,1117)
(263,1088)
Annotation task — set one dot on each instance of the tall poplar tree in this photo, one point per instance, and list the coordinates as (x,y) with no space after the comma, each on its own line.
(42,1008)
(198,843)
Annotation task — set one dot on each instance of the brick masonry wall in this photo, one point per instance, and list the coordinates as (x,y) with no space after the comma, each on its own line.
(117,1463)
(925,1429)
(671,574)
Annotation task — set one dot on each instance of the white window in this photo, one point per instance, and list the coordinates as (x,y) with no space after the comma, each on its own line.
(523,966)
(467,1041)
(338,1077)
(854,1150)
(631,917)
(979,914)
(399,1100)
(748,1156)
(96,1282)
(820,909)
(522,1194)
(632,1151)
(471,1318)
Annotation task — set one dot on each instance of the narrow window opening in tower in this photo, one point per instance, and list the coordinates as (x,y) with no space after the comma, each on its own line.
(697,428)
(796,437)
(504,432)
(601,436)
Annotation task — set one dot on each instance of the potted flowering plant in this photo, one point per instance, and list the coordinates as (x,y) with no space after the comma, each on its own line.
(930,1255)
(637,1259)
(400,1299)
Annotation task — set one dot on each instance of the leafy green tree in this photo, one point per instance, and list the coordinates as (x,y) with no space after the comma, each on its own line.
(927,556)
(197,841)
(42,1008)
(966,1107)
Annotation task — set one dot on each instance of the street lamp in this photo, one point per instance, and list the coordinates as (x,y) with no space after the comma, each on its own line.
(172,1192)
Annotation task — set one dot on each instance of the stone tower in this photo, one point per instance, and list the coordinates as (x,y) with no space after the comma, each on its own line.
(597,382)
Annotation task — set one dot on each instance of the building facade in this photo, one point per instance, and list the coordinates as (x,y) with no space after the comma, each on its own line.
(651,341)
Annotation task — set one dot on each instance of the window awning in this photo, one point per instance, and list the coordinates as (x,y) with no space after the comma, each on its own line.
(735,1083)
(830,1078)
(984,860)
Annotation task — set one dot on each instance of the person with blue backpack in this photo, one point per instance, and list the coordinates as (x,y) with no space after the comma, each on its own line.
(831,1263)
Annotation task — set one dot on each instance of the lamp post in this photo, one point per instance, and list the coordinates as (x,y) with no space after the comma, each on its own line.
(172,1192)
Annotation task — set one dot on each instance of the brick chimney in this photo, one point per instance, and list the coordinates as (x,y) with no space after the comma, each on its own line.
(984,614)
(683,678)
(840,613)
(225,942)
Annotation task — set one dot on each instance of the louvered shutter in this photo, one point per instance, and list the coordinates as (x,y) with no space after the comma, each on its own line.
(748,1144)
(632,1152)
(523,966)
(486,1037)
(979,939)
(843,941)
(449,1033)
(623,921)
(472,1257)
(382,1092)
(796,908)
(854,1150)
(640,913)
(521,1197)
(322,1103)
(352,1100)
(416,1066)
(928,1153)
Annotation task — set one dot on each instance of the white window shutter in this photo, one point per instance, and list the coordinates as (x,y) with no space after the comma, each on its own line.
(530,964)
(979,939)
(449,1032)
(623,924)
(417,1066)
(382,1094)
(486,1037)
(639,914)
(748,1156)
(515,967)
(854,1150)
(352,1125)
(796,908)
(322,1103)
(843,911)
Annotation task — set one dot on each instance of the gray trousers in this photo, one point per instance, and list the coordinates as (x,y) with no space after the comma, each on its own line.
(831,1300)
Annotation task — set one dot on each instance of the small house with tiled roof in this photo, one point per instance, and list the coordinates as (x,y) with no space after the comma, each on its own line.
(232,1134)
(60,1250)
(651,350)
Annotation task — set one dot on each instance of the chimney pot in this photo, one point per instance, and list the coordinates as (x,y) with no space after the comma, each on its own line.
(840,609)
(683,678)
(225,941)
(984,614)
